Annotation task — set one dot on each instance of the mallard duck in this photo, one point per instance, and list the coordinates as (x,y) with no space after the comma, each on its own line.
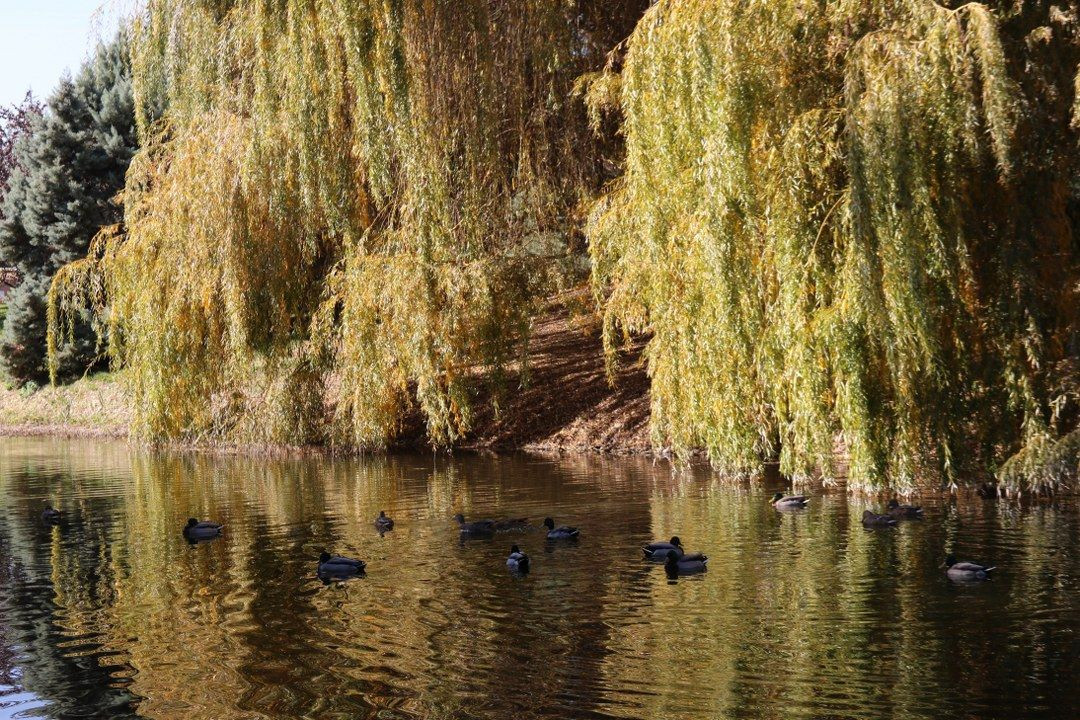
(872,519)
(480,527)
(685,565)
(338,567)
(517,561)
(788,502)
(509,524)
(384,523)
(563,532)
(904,512)
(966,570)
(659,550)
(50,515)
(205,530)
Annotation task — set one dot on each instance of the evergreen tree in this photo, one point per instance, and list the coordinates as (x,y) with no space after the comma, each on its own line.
(71,167)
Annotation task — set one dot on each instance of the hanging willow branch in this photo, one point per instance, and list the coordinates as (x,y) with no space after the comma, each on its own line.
(819,228)
(350,203)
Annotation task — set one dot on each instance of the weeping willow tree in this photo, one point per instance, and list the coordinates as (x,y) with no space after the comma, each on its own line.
(347,203)
(846,224)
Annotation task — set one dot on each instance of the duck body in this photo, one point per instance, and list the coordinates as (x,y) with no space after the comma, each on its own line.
(384,523)
(780,501)
(517,561)
(674,564)
(204,530)
(904,512)
(966,571)
(563,532)
(50,515)
(509,524)
(659,550)
(872,519)
(336,566)
(479,527)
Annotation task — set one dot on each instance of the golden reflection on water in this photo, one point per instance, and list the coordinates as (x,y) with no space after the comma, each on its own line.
(802,614)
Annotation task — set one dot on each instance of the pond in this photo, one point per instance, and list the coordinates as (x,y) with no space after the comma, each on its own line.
(800,615)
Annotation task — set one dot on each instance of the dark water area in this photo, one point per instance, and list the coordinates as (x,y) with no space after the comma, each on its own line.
(804,614)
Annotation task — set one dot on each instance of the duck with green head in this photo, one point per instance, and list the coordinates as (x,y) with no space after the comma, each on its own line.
(196,531)
(517,561)
(336,566)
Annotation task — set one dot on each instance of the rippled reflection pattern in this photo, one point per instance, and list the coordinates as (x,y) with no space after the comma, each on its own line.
(801,614)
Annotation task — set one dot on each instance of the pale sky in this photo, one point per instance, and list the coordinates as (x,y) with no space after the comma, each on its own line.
(40,39)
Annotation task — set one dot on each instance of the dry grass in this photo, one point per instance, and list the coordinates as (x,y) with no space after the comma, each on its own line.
(96,406)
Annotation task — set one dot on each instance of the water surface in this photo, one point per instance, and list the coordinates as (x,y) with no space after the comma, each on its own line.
(801,615)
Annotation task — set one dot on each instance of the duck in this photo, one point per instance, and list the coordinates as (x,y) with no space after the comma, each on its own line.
(510,524)
(195,530)
(384,523)
(517,560)
(563,532)
(480,527)
(50,515)
(966,570)
(658,550)
(788,502)
(338,567)
(904,512)
(684,565)
(872,519)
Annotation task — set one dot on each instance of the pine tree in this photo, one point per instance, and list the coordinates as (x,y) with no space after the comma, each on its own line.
(72,166)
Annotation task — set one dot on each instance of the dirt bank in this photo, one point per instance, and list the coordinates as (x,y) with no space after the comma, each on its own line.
(567,405)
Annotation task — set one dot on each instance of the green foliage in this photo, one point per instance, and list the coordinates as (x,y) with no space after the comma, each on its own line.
(70,168)
(835,227)
(349,204)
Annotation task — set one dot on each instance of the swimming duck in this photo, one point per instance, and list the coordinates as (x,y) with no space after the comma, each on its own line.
(788,502)
(509,524)
(339,567)
(659,550)
(50,515)
(205,530)
(517,561)
(904,512)
(563,532)
(966,570)
(384,523)
(872,519)
(480,527)
(685,565)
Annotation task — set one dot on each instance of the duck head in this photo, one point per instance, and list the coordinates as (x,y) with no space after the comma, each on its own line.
(192,522)
(950,560)
(549,523)
(514,549)
(324,556)
(460,519)
(777,496)
(893,504)
(382,513)
(676,541)
(672,558)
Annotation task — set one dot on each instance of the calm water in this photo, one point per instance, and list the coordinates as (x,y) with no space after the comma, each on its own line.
(801,615)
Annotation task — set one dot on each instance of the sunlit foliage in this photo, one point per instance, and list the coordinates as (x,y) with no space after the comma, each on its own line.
(844,224)
(349,206)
